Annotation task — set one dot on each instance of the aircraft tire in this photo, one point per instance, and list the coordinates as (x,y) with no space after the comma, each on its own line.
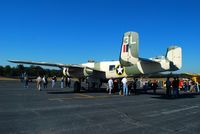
(77,87)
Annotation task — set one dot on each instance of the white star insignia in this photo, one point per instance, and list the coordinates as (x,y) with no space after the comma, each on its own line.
(119,70)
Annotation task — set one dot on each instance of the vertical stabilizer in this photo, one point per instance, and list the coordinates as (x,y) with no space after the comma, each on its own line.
(174,55)
(129,49)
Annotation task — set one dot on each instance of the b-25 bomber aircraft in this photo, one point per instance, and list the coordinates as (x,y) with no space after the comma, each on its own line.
(129,64)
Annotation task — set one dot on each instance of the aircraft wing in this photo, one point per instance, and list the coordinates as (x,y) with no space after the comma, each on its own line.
(45,64)
(73,70)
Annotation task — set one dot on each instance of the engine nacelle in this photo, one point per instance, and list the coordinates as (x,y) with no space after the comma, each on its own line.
(66,71)
(77,72)
(87,71)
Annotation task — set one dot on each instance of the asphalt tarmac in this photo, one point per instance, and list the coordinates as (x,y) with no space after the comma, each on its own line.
(60,111)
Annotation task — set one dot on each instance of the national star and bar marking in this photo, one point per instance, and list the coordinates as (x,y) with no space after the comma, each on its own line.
(119,70)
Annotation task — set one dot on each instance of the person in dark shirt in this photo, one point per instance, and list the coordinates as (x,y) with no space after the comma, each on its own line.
(154,86)
(168,87)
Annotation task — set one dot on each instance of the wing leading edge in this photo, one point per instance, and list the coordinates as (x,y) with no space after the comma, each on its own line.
(46,64)
(73,70)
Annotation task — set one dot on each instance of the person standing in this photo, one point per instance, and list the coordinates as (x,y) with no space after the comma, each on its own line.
(68,82)
(110,85)
(154,86)
(192,87)
(120,87)
(44,79)
(26,79)
(39,81)
(62,82)
(115,86)
(125,88)
(175,85)
(53,81)
(197,87)
(22,77)
(186,83)
(134,86)
(168,87)
(130,88)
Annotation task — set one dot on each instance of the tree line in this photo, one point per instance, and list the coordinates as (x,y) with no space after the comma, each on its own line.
(8,71)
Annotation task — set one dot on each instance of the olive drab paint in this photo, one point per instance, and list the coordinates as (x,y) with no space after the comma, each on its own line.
(129,49)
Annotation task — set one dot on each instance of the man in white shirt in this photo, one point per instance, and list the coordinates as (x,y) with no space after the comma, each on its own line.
(110,85)
(39,81)
(125,88)
(44,82)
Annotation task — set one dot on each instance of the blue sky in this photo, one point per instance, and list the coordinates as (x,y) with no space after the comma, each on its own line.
(63,31)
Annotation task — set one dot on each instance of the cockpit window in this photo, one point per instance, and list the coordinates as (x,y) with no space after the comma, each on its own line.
(111,67)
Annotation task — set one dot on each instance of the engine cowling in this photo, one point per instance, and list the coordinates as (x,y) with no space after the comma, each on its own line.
(66,71)
(88,71)
(77,72)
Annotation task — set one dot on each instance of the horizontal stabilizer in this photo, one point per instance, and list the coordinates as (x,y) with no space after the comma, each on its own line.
(147,60)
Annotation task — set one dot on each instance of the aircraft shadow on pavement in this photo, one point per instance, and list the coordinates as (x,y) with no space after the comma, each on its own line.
(96,90)
(102,90)
(63,92)
(150,92)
